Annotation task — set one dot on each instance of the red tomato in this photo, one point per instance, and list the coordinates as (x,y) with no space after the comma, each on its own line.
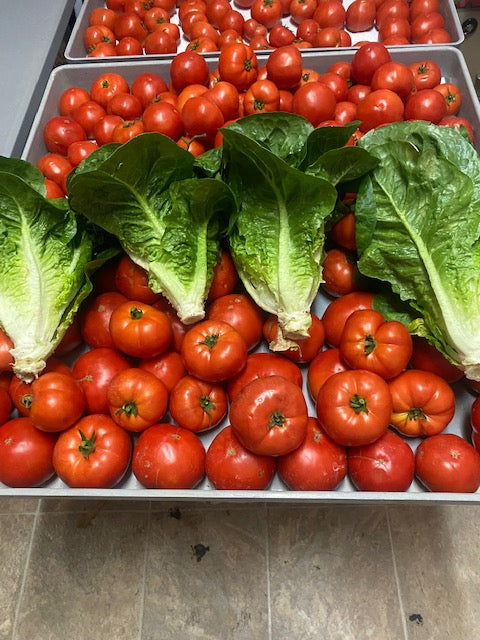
(337,312)
(179,329)
(280,35)
(307,30)
(140,330)
(106,85)
(261,96)
(163,117)
(324,365)
(343,231)
(435,36)
(314,101)
(87,115)
(427,358)
(130,24)
(70,99)
(370,342)
(301,350)
(358,92)
(426,104)
(225,277)
(95,35)
(388,464)
(238,64)
(5,404)
(425,22)
(380,107)
(393,28)
(147,86)
(360,15)
(426,74)
(267,12)
(95,319)
(127,130)
(78,151)
(452,96)
(301,10)
(129,46)
(269,416)
(202,117)
(230,466)
(213,350)
(391,9)
(318,464)
(25,454)
(241,312)
(57,401)
(55,167)
(104,128)
(337,83)
(225,96)
(339,269)
(418,7)
(60,132)
(125,105)
(396,76)
(71,339)
(284,67)
(455,121)
(94,370)
(52,189)
(93,453)
(136,399)
(166,456)
(447,462)
(366,61)
(354,407)
(475,422)
(197,405)
(102,50)
(159,41)
(132,281)
(187,68)
(167,367)
(6,358)
(216,9)
(330,13)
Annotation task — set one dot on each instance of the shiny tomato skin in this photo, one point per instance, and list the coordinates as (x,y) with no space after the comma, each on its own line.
(448,463)
(314,101)
(127,130)
(458,122)
(230,466)
(360,15)
(188,67)
(6,358)
(323,365)
(125,105)
(388,464)
(129,46)
(426,104)
(167,367)
(57,401)
(105,457)
(337,312)
(197,405)
(452,95)
(70,99)
(78,151)
(260,365)
(427,358)
(267,12)
(52,189)
(225,277)
(284,67)
(366,61)
(131,280)
(95,319)
(106,85)
(26,454)
(396,76)
(354,407)
(242,313)
(303,350)
(94,370)
(262,96)
(238,64)
(379,107)
(163,117)
(147,86)
(318,464)
(5,405)
(426,74)
(202,117)
(60,131)
(338,272)
(166,456)
(104,128)
(88,114)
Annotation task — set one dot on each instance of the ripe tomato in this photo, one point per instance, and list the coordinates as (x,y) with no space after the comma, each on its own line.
(197,405)
(225,96)
(163,117)
(57,401)
(202,117)
(136,399)
(354,407)
(337,312)
(343,231)
(60,132)
(78,151)
(324,365)
(366,61)
(216,9)
(95,319)
(425,22)
(213,350)
(188,67)
(93,453)
(102,50)
(318,464)
(396,76)
(337,83)
(6,358)
(26,454)
(315,102)
(280,35)
(388,464)
(380,107)
(225,277)
(52,189)
(130,24)
(301,10)
(70,99)
(140,330)
(125,105)
(426,74)
(360,15)
(167,367)
(267,12)
(129,46)
(230,466)
(94,370)
(370,342)
(241,312)
(238,64)
(338,272)
(284,67)
(159,41)
(126,130)
(330,13)
(447,462)
(106,85)
(427,358)
(147,86)
(55,167)
(5,404)
(269,416)
(132,281)
(475,422)
(97,35)
(452,96)
(261,96)
(87,115)
(301,350)
(166,456)
(426,104)
(104,128)
(455,121)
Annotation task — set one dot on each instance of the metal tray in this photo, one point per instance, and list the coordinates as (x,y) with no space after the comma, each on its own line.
(75,50)
(455,70)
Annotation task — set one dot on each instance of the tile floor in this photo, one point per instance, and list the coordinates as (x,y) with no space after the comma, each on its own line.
(126,570)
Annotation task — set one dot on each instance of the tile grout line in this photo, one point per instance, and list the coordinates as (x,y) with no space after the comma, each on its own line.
(36,517)
(142,594)
(267,563)
(397,578)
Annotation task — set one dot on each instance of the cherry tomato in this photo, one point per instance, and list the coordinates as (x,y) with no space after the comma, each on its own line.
(354,407)
(166,456)
(57,401)
(447,462)
(324,365)
(337,312)
(388,464)
(427,358)
(93,453)
(241,312)
(197,405)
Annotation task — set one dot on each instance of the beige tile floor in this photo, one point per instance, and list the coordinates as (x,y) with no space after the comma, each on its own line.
(125,570)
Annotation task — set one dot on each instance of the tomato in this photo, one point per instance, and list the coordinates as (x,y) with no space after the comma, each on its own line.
(455,121)
(301,10)
(147,86)
(125,105)
(241,312)
(447,462)
(418,7)
(71,339)
(427,358)
(188,67)
(284,67)
(225,96)
(337,83)
(301,350)
(452,96)
(330,13)
(126,130)
(435,36)
(87,115)
(106,85)
(163,117)
(259,43)
(166,456)
(94,370)
(360,15)
(230,466)
(324,365)
(358,92)
(139,329)
(129,46)
(307,30)
(78,151)
(338,272)
(97,34)
(232,19)
(132,281)
(52,189)
(280,36)
(154,17)
(95,319)
(60,131)
(366,61)
(216,9)
(197,405)
(394,28)
(315,102)
(388,464)
(204,30)
(26,454)
(55,167)
(475,422)
(6,358)
(354,407)
(238,64)
(426,74)
(286,101)
(213,350)
(318,464)
(425,22)
(380,107)
(159,42)
(267,12)
(130,24)
(269,416)
(57,401)
(252,28)
(261,96)
(396,76)
(337,312)
(102,50)
(331,37)
(201,116)
(167,367)
(426,104)
(93,453)
(104,128)
(70,99)
(343,231)
(179,329)
(192,145)
(136,399)
(229,36)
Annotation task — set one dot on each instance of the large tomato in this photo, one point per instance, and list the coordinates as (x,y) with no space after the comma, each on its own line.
(26,453)
(167,367)
(238,64)
(318,464)
(60,132)
(202,117)
(447,462)
(354,407)
(269,416)
(314,101)
(106,85)
(93,453)
(262,96)
(426,74)
(324,365)
(140,330)
(261,365)
(241,312)
(337,312)
(370,342)
(284,67)
(388,464)
(426,104)
(396,76)
(379,107)
(427,358)
(360,15)
(267,12)
(95,319)
(136,399)
(366,61)
(230,466)
(197,405)
(188,67)
(163,117)
(57,401)
(213,350)
(166,456)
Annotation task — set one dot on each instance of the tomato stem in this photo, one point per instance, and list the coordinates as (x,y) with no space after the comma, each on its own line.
(369,344)
(136,313)
(87,445)
(26,400)
(277,419)
(415,413)
(358,404)
(211,340)
(206,404)
(129,408)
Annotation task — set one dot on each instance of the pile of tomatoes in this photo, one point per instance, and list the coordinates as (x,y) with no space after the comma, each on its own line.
(138,27)
(131,391)
(195,102)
